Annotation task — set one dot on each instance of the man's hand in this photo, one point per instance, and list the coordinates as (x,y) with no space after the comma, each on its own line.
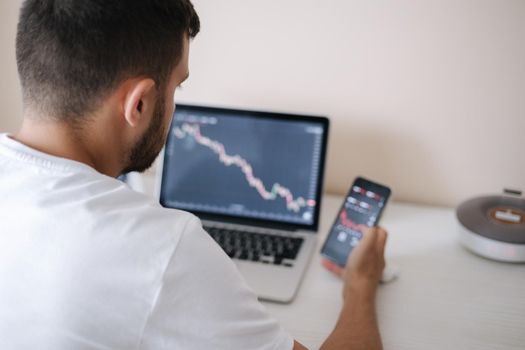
(365,263)
(357,325)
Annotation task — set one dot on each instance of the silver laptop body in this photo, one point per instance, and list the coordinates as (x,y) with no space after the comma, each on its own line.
(221,165)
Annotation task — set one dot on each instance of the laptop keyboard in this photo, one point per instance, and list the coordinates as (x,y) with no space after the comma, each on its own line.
(258,247)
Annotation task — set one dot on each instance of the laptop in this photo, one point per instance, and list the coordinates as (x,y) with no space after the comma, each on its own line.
(255,180)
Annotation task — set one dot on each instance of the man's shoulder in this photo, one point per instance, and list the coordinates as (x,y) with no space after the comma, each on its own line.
(116,201)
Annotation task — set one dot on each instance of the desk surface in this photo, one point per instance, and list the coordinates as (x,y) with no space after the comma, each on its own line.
(444,298)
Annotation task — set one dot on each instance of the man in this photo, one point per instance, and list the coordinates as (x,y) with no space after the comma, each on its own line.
(86,263)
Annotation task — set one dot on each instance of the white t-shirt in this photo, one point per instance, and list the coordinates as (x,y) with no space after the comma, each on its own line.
(86,263)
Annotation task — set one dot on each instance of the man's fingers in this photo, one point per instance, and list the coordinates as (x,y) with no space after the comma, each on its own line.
(373,235)
(382,236)
(372,242)
(332,267)
(369,237)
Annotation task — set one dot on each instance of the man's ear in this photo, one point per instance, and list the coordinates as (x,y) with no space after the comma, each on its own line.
(139,101)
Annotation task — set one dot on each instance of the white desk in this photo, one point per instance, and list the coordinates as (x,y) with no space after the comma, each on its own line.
(444,298)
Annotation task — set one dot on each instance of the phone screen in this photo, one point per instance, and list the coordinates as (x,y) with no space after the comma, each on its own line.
(363,205)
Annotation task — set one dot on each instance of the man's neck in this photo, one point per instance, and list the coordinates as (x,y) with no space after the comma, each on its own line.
(61,140)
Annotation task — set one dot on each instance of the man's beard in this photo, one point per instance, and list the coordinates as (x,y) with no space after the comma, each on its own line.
(146,150)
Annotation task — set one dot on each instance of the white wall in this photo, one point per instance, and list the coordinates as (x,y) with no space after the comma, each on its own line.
(10,95)
(427,96)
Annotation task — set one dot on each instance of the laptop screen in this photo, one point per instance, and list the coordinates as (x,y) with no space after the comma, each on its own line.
(245,166)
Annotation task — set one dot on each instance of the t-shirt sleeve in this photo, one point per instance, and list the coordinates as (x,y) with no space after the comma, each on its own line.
(204,303)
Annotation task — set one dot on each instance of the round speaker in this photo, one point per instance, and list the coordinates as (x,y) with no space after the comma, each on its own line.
(494,227)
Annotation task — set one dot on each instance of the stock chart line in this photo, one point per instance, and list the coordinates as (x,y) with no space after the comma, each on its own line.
(347,222)
(276,190)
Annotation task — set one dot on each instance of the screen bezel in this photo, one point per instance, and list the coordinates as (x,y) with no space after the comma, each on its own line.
(323,121)
(369,185)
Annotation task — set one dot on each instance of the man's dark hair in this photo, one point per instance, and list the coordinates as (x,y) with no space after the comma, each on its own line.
(71,53)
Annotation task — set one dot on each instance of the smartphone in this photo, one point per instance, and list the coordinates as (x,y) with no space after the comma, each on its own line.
(363,205)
